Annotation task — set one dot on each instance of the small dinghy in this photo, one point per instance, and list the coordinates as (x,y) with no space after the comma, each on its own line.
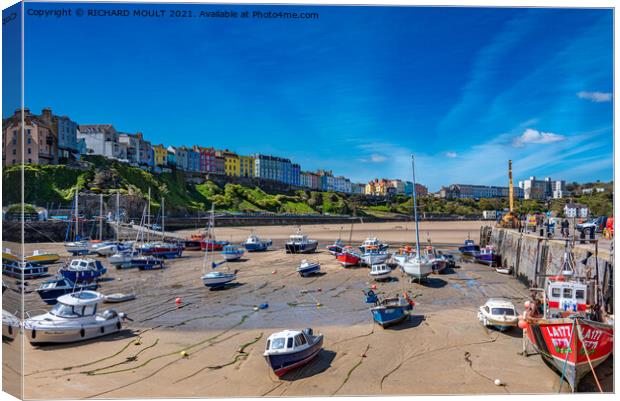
(42,257)
(498,313)
(232,252)
(307,268)
(504,270)
(380,272)
(73,318)
(255,244)
(50,290)
(118,297)
(10,325)
(291,349)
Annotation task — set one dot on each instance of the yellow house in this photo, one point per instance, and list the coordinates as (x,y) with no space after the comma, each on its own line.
(247,166)
(160,155)
(231,162)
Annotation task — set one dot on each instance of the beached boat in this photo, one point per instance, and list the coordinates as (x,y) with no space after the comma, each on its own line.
(254,244)
(210,244)
(112,248)
(42,257)
(50,290)
(418,266)
(76,246)
(487,255)
(73,318)
(82,269)
(24,270)
(374,243)
(498,313)
(374,256)
(144,262)
(299,243)
(349,257)
(290,349)
(504,270)
(191,245)
(336,247)
(122,257)
(165,250)
(438,262)
(214,279)
(232,252)
(10,325)
(402,254)
(307,268)
(9,256)
(118,297)
(469,248)
(391,311)
(380,272)
(570,334)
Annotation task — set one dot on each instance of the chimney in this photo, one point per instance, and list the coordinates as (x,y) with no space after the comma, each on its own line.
(46,115)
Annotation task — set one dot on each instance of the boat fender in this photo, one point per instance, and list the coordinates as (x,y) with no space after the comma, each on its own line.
(34,334)
(82,332)
(10,330)
(102,329)
(118,325)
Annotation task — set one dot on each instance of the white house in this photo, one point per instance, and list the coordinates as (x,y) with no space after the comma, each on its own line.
(576,210)
(489,214)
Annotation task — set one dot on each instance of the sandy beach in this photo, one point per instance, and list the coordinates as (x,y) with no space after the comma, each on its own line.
(211,344)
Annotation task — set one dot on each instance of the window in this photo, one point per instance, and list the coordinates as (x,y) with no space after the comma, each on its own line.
(14,152)
(29,151)
(268,343)
(289,342)
(580,294)
(303,339)
(503,311)
(555,292)
(567,293)
(29,141)
(297,340)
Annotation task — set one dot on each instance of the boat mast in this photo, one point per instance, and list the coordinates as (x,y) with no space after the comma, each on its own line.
(100,217)
(77,231)
(148,219)
(163,222)
(415,210)
(117,215)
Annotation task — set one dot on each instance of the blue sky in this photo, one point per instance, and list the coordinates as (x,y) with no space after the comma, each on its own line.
(356,91)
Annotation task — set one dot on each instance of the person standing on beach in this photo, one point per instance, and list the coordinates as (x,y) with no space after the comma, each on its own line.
(565,226)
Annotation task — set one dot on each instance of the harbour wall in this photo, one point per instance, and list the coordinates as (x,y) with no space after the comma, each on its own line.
(534,258)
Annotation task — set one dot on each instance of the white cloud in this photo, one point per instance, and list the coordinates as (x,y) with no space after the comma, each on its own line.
(597,97)
(451,155)
(374,158)
(537,137)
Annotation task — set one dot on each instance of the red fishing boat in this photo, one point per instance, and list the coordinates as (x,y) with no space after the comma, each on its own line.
(193,242)
(568,333)
(348,257)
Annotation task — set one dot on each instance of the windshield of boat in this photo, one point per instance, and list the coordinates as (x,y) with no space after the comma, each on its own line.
(503,311)
(62,310)
(278,343)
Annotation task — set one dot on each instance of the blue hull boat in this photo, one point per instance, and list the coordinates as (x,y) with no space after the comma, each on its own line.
(23,270)
(390,311)
(80,270)
(308,268)
(50,290)
(257,246)
(469,248)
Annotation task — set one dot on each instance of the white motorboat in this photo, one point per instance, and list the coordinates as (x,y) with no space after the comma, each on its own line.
(214,279)
(289,349)
(374,256)
(10,325)
(73,318)
(123,257)
(77,247)
(113,248)
(380,271)
(217,279)
(372,243)
(499,313)
(300,243)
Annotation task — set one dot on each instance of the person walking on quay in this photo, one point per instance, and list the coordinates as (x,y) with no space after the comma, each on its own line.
(565,226)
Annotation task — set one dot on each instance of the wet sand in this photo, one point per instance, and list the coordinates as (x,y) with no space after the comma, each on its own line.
(441,349)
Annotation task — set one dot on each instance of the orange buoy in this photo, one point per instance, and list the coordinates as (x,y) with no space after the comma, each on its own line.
(374,286)
(178,301)
(523,325)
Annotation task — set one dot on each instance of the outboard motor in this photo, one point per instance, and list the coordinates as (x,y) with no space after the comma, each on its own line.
(109,314)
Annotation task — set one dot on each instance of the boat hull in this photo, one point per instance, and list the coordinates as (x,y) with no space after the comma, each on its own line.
(563,348)
(50,296)
(379,276)
(374,259)
(218,281)
(49,334)
(348,260)
(25,273)
(43,259)
(301,248)
(418,271)
(257,247)
(284,363)
(191,245)
(232,256)
(387,316)
(306,271)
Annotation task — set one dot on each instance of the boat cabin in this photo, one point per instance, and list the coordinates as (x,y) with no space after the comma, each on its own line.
(77,305)
(288,341)
(298,239)
(566,297)
(83,264)
(499,307)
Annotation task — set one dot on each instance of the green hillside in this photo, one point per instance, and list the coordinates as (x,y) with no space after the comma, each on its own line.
(53,184)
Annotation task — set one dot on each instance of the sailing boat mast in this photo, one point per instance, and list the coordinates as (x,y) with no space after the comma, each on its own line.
(415,209)
(100,217)
(117,216)
(77,231)
(148,219)
(163,221)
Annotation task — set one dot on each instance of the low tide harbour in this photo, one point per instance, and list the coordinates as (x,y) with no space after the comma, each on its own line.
(211,343)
